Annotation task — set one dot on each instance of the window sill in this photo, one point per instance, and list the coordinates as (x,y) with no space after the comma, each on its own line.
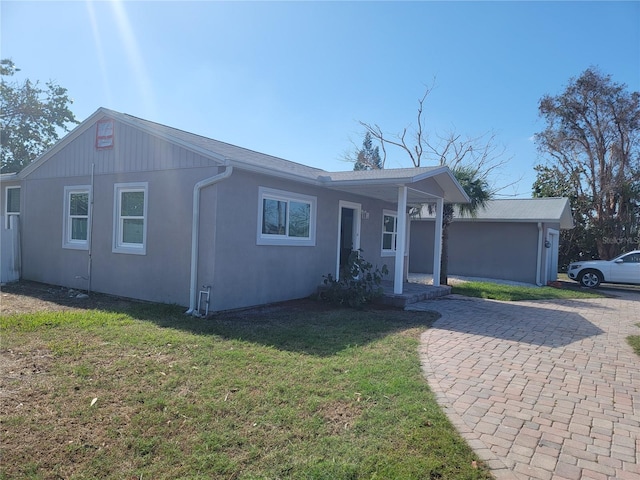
(286,242)
(76,246)
(390,253)
(130,251)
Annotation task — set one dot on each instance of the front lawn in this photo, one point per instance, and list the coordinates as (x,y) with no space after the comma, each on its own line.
(293,391)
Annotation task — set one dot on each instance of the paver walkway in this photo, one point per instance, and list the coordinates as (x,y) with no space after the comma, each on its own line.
(540,390)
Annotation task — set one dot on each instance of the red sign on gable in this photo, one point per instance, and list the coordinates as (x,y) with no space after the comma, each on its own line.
(104,133)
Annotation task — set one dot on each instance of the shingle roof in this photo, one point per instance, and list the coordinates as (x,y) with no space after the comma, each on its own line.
(227,150)
(532,210)
(426,183)
(359,182)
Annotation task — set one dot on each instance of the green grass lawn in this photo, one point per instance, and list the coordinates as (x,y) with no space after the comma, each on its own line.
(302,392)
(634,341)
(496,291)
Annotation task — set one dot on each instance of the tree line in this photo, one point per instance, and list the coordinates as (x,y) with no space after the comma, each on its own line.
(590,151)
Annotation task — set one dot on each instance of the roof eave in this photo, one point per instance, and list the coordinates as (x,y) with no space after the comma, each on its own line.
(440,175)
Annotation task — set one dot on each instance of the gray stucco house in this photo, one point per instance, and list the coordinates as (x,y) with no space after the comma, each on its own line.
(129,207)
(514,239)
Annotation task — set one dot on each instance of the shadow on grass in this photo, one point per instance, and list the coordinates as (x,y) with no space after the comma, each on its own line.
(305,326)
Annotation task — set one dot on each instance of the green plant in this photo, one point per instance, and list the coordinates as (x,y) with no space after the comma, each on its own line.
(359,282)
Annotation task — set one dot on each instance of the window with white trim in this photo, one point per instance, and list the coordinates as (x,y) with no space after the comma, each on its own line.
(130,218)
(286,218)
(75,232)
(389,232)
(11,204)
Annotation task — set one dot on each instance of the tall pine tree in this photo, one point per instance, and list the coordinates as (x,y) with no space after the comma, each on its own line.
(368,156)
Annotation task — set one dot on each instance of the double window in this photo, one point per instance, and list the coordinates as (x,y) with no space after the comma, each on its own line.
(389,232)
(286,218)
(76,233)
(12,204)
(130,218)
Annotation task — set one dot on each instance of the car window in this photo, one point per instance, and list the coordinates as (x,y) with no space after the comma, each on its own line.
(631,258)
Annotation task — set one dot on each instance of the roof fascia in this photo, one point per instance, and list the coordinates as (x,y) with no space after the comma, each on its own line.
(436,173)
(328,182)
(399,181)
(496,220)
(507,220)
(503,220)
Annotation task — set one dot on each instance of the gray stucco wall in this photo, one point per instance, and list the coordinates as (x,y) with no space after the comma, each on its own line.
(240,272)
(480,249)
(245,273)
(162,274)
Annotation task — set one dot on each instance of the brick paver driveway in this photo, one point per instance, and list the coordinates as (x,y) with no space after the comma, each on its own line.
(540,390)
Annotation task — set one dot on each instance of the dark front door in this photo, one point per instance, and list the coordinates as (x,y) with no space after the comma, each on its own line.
(346,234)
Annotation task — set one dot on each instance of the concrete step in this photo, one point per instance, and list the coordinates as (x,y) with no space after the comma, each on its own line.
(412,293)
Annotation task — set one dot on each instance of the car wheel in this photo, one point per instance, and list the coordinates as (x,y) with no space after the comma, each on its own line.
(590,278)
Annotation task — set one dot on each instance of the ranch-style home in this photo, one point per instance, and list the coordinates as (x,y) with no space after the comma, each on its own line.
(132,208)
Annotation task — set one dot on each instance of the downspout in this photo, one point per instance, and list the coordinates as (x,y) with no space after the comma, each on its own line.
(195,232)
(90,228)
(539,256)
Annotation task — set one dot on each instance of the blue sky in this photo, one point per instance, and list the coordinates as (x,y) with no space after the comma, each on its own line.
(293,79)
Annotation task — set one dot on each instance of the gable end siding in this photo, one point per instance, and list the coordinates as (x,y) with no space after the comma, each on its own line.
(133,151)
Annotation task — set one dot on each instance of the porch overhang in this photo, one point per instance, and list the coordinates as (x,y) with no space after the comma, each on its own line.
(405,187)
(424,185)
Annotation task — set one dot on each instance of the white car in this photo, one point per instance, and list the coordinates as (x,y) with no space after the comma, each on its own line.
(622,269)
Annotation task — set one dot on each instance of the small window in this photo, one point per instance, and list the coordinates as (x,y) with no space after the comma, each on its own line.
(286,218)
(12,204)
(76,217)
(389,232)
(130,218)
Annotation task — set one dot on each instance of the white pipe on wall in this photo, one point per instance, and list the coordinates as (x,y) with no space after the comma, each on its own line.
(90,231)
(195,232)
(539,255)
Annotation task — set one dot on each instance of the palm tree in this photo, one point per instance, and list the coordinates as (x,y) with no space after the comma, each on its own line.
(479,193)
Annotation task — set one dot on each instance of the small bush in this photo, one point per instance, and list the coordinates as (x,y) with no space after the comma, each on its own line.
(359,282)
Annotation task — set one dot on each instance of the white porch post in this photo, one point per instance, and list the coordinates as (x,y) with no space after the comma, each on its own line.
(401,240)
(437,242)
